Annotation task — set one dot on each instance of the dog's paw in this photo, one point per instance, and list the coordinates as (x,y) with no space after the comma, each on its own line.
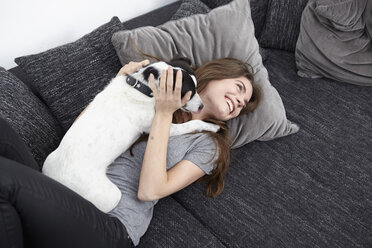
(210,127)
(193,126)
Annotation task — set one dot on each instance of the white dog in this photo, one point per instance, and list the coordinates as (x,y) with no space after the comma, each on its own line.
(111,123)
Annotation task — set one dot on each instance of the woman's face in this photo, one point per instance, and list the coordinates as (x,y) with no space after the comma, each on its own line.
(224,99)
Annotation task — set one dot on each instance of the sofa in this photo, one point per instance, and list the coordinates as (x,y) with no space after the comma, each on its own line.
(309,189)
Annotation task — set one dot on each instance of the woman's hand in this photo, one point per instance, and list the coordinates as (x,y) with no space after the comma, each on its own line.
(167,99)
(132,67)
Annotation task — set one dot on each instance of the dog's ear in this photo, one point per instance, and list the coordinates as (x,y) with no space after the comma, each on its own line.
(178,58)
(182,62)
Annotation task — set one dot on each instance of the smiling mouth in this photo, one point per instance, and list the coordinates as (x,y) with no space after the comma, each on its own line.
(230,103)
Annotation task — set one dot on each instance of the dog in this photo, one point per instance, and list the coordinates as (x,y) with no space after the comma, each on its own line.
(110,124)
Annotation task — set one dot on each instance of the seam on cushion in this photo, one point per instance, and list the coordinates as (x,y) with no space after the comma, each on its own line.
(6,229)
(265,24)
(202,223)
(16,151)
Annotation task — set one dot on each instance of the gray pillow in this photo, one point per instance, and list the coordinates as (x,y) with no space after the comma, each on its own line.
(28,116)
(282,25)
(190,7)
(69,76)
(333,41)
(226,31)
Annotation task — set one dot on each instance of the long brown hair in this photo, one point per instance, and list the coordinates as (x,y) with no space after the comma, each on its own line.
(216,70)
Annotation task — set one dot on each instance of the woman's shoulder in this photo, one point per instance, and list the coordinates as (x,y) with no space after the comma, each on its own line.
(192,137)
(194,140)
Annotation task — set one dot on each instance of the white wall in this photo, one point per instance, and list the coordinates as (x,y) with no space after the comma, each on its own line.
(33,26)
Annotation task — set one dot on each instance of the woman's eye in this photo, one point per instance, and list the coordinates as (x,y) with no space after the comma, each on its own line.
(239,86)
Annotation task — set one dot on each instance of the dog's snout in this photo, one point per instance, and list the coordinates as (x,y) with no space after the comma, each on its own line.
(201,107)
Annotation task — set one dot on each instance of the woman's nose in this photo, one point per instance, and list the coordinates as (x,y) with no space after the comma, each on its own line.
(240,101)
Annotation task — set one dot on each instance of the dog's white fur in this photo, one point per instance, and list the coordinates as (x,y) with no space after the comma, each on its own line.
(109,126)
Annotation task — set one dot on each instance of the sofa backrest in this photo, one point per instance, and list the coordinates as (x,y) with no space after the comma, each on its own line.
(282,24)
(277,22)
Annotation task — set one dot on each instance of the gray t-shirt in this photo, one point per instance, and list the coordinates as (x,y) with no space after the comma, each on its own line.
(125,173)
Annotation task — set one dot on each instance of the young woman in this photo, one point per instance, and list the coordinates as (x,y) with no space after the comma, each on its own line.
(36,211)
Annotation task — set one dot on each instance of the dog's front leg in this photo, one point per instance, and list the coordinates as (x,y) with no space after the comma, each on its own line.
(192,126)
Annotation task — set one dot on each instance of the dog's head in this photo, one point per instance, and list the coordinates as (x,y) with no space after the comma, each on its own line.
(188,79)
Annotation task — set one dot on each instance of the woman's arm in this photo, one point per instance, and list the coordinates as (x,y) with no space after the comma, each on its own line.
(155,181)
(154,171)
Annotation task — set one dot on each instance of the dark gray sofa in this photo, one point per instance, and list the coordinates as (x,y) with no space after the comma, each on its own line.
(310,189)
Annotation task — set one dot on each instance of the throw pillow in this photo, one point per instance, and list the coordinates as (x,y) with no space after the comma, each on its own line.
(333,41)
(282,25)
(190,7)
(69,76)
(28,116)
(226,31)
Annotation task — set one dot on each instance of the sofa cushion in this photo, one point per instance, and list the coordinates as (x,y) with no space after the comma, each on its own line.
(190,7)
(19,73)
(259,10)
(13,147)
(203,38)
(282,25)
(303,190)
(69,76)
(28,116)
(215,3)
(174,226)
